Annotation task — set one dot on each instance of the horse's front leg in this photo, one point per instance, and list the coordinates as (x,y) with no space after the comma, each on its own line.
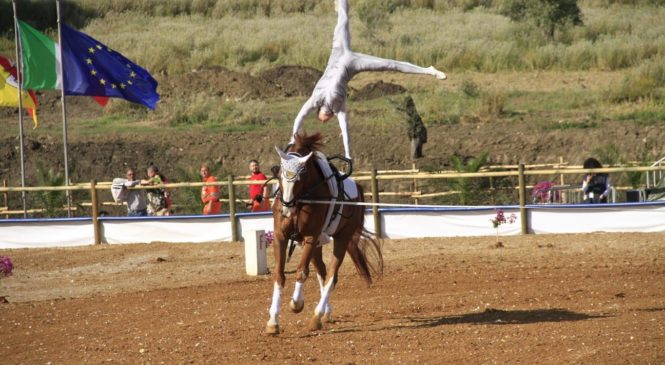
(279,250)
(298,300)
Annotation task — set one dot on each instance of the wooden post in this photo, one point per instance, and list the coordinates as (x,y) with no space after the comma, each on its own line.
(375,208)
(232,210)
(522,193)
(95,211)
(560,166)
(6,196)
(415,183)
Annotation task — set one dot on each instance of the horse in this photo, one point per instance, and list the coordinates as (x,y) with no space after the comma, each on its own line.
(298,218)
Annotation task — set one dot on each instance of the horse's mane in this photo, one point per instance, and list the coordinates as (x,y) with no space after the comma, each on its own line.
(307,143)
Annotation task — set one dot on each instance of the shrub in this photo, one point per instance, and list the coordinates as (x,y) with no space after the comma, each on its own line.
(467,188)
(547,15)
(470,88)
(492,106)
(51,201)
(632,88)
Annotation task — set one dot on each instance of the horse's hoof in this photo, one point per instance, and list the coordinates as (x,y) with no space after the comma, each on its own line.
(272,329)
(315,323)
(327,317)
(297,307)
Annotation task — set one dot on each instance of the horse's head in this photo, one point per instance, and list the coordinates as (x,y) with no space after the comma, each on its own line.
(292,167)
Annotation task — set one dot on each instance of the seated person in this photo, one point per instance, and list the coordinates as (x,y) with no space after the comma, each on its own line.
(596,187)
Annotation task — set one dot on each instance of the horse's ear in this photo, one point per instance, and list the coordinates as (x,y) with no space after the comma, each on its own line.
(304,159)
(281,153)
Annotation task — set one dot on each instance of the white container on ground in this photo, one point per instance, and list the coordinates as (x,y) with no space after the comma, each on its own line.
(256,261)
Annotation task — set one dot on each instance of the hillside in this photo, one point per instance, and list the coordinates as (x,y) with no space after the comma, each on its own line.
(232,85)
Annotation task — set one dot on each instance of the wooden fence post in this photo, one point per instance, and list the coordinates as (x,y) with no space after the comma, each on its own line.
(415,183)
(522,193)
(95,211)
(6,196)
(375,208)
(232,210)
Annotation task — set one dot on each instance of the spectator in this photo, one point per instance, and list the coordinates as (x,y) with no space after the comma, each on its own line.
(136,201)
(210,194)
(158,198)
(596,187)
(258,193)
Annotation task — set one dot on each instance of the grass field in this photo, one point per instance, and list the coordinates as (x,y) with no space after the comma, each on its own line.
(611,67)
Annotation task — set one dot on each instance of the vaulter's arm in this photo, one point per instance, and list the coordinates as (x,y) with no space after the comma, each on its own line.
(307,108)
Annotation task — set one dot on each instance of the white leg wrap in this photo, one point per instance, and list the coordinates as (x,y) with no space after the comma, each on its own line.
(328,307)
(276,303)
(325,295)
(298,292)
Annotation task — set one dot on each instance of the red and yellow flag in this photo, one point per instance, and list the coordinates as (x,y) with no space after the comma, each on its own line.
(9,90)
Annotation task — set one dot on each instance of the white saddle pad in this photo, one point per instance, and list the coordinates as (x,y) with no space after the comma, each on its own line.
(350,192)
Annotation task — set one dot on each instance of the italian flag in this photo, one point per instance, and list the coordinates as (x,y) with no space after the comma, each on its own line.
(41,59)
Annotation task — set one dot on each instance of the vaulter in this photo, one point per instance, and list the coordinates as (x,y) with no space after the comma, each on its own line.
(330,93)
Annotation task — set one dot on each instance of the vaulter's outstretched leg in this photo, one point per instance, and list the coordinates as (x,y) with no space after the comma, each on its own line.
(362,62)
(342,34)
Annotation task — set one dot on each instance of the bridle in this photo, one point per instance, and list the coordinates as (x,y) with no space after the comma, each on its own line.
(292,177)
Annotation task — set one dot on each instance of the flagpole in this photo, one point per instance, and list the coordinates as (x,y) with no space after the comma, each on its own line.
(64,112)
(19,79)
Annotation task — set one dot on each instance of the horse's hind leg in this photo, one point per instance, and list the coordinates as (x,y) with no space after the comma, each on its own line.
(298,301)
(321,275)
(339,250)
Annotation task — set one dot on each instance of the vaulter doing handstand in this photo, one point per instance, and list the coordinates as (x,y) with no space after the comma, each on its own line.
(330,93)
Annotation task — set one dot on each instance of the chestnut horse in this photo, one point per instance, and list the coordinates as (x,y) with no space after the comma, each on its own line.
(297,217)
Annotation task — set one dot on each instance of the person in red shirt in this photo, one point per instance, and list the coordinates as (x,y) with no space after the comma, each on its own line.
(258,193)
(210,194)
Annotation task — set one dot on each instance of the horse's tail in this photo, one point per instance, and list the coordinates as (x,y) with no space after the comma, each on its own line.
(365,251)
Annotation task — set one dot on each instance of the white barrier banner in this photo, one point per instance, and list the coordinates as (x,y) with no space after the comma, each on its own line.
(605,218)
(168,229)
(395,223)
(39,233)
(438,222)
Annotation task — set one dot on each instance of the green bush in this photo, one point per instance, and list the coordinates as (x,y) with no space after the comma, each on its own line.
(468,189)
(51,201)
(546,15)
(492,106)
(632,88)
(470,88)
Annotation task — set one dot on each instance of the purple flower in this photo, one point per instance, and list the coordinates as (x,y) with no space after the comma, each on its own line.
(269,236)
(500,219)
(6,266)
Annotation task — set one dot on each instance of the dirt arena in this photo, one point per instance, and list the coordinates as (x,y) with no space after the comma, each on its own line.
(561,299)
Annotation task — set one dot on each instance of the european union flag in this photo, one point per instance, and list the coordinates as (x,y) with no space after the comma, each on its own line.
(91,68)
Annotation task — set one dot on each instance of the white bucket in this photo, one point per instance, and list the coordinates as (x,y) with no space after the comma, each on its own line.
(256,261)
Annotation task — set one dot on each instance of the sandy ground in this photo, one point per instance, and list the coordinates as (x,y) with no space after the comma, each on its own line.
(561,299)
